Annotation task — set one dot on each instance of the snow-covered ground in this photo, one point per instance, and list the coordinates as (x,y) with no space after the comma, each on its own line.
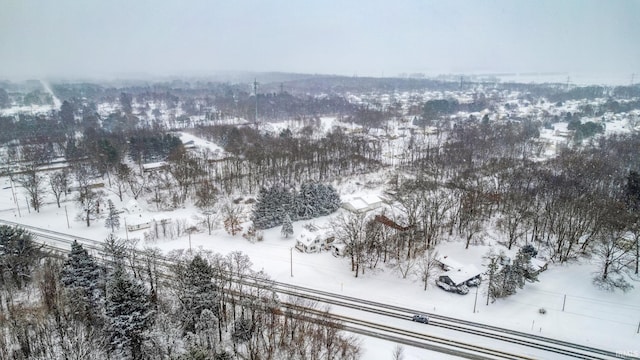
(576,310)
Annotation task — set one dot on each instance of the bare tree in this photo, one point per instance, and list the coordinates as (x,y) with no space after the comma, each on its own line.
(614,250)
(32,183)
(137,183)
(122,178)
(427,266)
(59,182)
(405,266)
(32,156)
(351,230)
(89,200)
(185,169)
(232,218)
(398,352)
(206,199)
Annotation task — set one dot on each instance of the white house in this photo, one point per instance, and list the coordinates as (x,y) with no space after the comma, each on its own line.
(363,204)
(307,242)
(311,240)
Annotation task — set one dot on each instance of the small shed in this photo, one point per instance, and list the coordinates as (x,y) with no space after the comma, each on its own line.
(338,249)
(536,266)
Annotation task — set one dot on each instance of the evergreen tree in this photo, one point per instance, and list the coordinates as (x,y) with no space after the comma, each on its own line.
(287,227)
(328,200)
(113,218)
(271,207)
(81,276)
(18,255)
(128,314)
(512,277)
(198,292)
(313,200)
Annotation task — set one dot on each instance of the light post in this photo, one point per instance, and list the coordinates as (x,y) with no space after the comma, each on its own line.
(291,260)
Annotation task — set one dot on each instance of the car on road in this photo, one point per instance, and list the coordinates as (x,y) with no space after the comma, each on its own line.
(420,318)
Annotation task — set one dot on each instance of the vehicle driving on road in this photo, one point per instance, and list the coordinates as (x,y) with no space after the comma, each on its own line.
(420,318)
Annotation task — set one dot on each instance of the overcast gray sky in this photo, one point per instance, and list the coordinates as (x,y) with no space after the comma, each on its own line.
(80,38)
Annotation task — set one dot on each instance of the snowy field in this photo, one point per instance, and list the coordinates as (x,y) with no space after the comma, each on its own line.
(590,316)
(576,311)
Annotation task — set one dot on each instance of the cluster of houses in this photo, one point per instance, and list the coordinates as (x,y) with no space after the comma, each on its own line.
(456,277)
(311,240)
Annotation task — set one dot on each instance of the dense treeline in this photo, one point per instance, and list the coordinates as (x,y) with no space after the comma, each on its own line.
(579,204)
(259,159)
(471,175)
(127,306)
(276,203)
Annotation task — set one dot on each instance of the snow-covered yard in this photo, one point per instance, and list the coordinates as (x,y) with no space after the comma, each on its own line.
(575,310)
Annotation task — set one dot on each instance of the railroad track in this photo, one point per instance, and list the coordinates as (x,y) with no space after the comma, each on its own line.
(60,242)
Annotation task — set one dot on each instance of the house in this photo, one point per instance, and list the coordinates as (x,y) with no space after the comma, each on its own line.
(450,281)
(97,185)
(308,243)
(457,274)
(564,133)
(312,239)
(459,280)
(139,226)
(447,263)
(153,167)
(363,204)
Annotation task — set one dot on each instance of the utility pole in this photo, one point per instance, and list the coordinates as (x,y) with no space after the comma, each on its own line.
(13,192)
(476,300)
(67,215)
(291,260)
